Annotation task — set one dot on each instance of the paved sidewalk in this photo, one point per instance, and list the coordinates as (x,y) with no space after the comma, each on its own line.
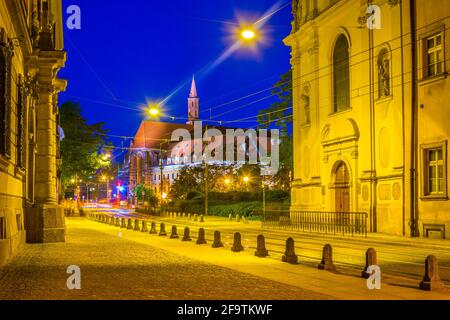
(397,256)
(337,286)
(130,266)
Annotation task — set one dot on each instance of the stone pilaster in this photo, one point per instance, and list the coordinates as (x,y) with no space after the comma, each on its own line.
(46,219)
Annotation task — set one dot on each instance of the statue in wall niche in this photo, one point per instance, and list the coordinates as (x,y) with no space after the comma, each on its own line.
(297,13)
(384,75)
(306,103)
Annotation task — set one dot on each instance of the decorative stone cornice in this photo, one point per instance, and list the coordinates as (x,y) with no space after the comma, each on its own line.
(46,88)
(393,3)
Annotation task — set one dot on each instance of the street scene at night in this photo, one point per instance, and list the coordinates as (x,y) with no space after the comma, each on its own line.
(207,151)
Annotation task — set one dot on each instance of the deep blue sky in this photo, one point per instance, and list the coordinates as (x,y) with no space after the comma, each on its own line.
(127,52)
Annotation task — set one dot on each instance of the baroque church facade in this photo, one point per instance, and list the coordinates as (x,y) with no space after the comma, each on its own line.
(371,109)
(31,54)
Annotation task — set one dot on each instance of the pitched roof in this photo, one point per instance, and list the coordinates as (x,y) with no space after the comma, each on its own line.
(153,134)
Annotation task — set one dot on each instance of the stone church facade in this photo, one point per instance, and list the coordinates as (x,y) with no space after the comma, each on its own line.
(370,113)
(31,54)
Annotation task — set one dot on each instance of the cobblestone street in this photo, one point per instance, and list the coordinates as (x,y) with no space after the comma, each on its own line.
(114,267)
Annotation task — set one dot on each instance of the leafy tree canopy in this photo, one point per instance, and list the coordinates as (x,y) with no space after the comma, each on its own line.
(84,146)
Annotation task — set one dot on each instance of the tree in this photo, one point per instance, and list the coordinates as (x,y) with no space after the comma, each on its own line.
(149,195)
(83,147)
(280,112)
(192,179)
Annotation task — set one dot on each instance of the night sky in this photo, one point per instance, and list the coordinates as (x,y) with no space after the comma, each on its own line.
(129,52)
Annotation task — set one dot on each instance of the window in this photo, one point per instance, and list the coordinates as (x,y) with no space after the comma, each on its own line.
(434,55)
(341,74)
(434,170)
(21,102)
(6,53)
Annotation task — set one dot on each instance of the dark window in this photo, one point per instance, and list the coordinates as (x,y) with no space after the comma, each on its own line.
(6,54)
(2,228)
(341,74)
(21,103)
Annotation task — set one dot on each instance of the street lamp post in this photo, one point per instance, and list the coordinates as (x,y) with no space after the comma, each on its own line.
(264,197)
(206,178)
(161,167)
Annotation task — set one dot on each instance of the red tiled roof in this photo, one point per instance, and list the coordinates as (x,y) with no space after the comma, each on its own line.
(152,134)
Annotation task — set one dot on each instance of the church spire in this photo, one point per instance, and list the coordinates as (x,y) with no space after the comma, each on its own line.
(193,103)
(193,93)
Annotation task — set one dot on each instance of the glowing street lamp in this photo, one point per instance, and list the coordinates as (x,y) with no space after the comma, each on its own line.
(227,181)
(248,34)
(154,111)
(246,179)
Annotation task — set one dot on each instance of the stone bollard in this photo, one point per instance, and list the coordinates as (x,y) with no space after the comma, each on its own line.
(130,224)
(230,217)
(217,241)
(184,215)
(153,228)
(201,219)
(237,244)
(327,259)
(195,217)
(189,216)
(238,218)
(289,254)
(187,234)
(162,230)
(201,236)
(112,221)
(431,281)
(261,250)
(371,260)
(244,219)
(144,226)
(122,223)
(136,225)
(174,234)
(105,219)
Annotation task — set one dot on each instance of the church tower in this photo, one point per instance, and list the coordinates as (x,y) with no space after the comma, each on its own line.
(193,103)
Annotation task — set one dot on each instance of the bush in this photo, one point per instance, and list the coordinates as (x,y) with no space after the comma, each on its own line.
(192,195)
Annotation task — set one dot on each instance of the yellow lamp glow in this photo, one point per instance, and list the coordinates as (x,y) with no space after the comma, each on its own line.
(164,195)
(246,179)
(227,181)
(153,111)
(248,34)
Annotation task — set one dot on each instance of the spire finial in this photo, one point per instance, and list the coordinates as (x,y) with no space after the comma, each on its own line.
(193,93)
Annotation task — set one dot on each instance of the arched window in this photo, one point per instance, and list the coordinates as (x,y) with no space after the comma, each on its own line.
(384,74)
(341,74)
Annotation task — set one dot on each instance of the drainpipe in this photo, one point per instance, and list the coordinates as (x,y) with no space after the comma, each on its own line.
(414,103)
(373,200)
(403,118)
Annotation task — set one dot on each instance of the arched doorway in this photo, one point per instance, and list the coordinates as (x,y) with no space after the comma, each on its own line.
(342,188)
